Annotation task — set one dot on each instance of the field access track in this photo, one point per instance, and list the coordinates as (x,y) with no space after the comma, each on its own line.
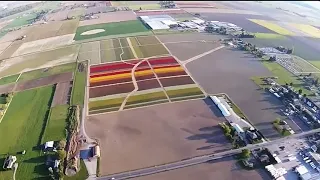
(59,78)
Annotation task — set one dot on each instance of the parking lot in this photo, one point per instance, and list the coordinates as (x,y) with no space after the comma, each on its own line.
(286,152)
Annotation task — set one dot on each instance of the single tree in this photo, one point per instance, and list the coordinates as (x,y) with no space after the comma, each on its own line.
(61,154)
(300,91)
(277,121)
(245,153)
(61,145)
(316,82)
(304,95)
(291,84)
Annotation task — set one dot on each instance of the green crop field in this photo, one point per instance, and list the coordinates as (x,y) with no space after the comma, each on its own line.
(184,92)
(285,76)
(103,104)
(78,89)
(22,128)
(57,123)
(39,73)
(20,21)
(125,27)
(9,79)
(155,96)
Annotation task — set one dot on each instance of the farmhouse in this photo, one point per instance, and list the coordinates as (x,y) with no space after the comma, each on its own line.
(9,161)
(48,146)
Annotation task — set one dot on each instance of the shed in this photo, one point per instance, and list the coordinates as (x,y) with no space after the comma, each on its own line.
(169,22)
(96,151)
(198,21)
(224,110)
(301,170)
(237,128)
(215,99)
(155,25)
(48,144)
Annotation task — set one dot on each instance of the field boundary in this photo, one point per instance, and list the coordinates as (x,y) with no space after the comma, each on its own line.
(144,106)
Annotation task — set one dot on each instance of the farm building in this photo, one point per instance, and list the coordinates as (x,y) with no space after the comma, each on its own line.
(9,161)
(222,108)
(158,21)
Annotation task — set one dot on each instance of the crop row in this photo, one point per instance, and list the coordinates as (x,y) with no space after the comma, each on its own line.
(121,65)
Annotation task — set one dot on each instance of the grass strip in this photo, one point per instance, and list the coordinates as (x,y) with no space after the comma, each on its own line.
(79,84)
(184,92)
(146,104)
(146,97)
(9,79)
(103,104)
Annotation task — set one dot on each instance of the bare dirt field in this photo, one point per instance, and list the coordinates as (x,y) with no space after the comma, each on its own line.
(186,50)
(144,137)
(6,88)
(111,89)
(110,17)
(229,71)
(189,37)
(58,16)
(9,51)
(59,78)
(4,46)
(223,169)
(43,31)
(61,94)
(44,44)
(11,36)
(175,81)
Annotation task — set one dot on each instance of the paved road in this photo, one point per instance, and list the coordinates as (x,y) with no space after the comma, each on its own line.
(197,160)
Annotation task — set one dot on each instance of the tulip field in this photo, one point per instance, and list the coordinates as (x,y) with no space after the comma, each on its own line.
(156,80)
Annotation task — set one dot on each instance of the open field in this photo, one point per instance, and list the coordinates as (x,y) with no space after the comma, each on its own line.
(77,12)
(44,44)
(23,131)
(6,88)
(272,26)
(9,51)
(229,71)
(110,17)
(177,131)
(39,73)
(240,20)
(215,11)
(42,31)
(115,28)
(308,29)
(302,47)
(3,46)
(79,84)
(57,123)
(11,36)
(106,94)
(62,93)
(39,60)
(20,21)
(226,168)
(48,80)
(112,50)
(8,79)
(160,12)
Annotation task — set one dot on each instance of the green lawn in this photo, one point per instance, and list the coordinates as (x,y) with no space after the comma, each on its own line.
(81,175)
(315,63)
(78,89)
(22,20)
(285,76)
(116,28)
(57,123)
(39,73)
(9,79)
(21,129)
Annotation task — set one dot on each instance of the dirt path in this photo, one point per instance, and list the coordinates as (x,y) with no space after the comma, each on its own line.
(134,81)
(155,74)
(201,55)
